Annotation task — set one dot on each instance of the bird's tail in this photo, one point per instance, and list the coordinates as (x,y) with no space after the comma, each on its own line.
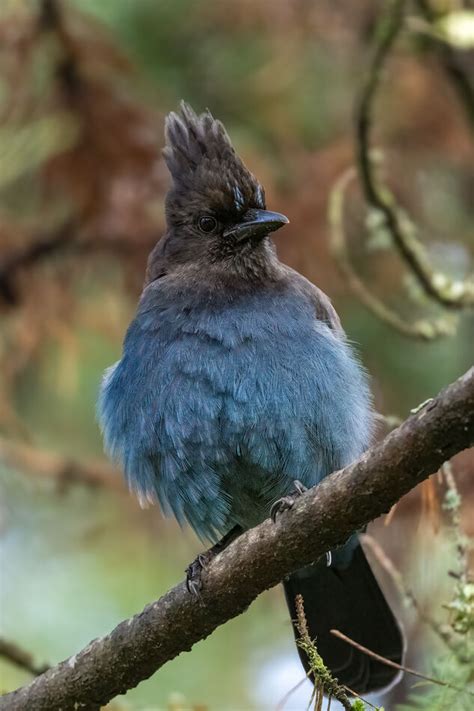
(348,599)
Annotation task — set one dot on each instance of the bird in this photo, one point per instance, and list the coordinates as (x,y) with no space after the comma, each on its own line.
(237,389)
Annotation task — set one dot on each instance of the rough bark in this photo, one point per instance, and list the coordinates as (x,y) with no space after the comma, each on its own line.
(323,518)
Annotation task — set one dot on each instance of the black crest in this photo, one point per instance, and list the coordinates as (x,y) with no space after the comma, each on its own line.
(200,155)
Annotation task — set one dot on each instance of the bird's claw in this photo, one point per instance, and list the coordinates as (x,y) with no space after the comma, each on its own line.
(287,502)
(281,505)
(195,570)
(194,573)
(299,488)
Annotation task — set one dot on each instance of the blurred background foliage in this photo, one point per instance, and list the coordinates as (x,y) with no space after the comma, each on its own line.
(84,88)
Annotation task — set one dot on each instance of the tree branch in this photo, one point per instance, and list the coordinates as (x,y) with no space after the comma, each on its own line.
(51,465)
(321,519)
(14,654)
(423,329)
(451,294)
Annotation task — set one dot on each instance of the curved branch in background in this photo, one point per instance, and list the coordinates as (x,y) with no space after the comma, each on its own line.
(20,658)
(452,294)
(320,520)
(450,63)
(424,329)
(64,470)
(39,249)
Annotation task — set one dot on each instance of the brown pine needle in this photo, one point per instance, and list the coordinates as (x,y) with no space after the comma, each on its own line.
(389,517)
(430,508)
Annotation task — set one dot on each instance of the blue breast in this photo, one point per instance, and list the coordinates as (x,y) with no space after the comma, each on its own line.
(218,404)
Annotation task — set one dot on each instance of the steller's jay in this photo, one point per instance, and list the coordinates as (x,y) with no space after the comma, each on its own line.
(236,380)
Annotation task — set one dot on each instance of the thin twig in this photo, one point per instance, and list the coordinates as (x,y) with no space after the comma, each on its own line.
(289,693)
(355,694)
(394,665)
(14,654)
(453,294)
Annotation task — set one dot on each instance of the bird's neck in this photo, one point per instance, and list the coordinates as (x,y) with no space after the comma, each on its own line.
(252,263)
(251,266)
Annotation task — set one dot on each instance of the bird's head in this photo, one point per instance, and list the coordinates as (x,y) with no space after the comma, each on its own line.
(215,209)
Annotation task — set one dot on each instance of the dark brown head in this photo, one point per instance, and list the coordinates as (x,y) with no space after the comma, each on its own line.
(215,209)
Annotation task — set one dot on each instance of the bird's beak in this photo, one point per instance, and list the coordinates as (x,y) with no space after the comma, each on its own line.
(256,223)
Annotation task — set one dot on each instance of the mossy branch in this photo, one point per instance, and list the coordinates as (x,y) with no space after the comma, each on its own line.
(461,606)
(453,294)
(423,329)
(324,682)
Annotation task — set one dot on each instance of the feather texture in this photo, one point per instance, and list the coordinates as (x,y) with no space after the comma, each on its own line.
(218,404)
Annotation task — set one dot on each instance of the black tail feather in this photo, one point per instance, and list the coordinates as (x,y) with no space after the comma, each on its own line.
(348,599)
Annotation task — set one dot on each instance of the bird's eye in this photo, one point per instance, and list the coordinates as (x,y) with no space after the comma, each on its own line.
(207,223)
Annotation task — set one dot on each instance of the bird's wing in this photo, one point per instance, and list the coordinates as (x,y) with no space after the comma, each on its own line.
(323,309)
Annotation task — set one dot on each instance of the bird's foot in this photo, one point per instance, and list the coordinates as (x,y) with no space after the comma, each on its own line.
(287,502)
(195,570)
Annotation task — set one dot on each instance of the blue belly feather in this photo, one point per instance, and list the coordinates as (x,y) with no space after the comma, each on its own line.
(218,404)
